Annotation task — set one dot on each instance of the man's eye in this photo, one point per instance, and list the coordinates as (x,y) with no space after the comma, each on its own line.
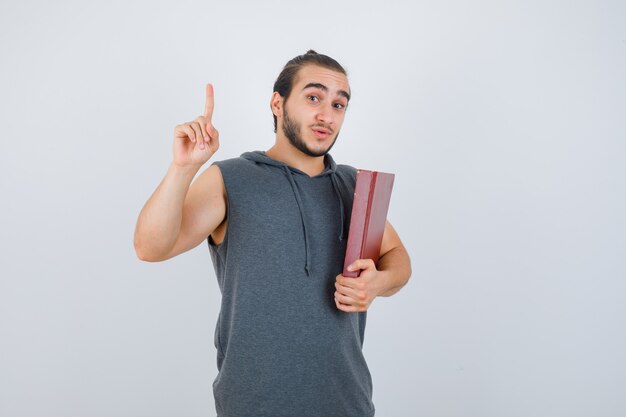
(339,106)
(313,98)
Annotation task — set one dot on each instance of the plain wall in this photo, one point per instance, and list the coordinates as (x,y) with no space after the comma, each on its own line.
(503,121)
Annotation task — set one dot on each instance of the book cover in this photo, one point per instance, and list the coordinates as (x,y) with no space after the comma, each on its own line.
(369,216)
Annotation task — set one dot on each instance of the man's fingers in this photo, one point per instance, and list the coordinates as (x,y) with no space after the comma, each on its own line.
(199,134)
(186,130)
(348,308)
(361,264)
(211,130)
(208,106)
(214,143)
(205,133)
(356,292)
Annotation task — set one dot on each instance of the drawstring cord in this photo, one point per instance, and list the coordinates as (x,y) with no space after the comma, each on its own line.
(307,251)
(333,178)
(294,188)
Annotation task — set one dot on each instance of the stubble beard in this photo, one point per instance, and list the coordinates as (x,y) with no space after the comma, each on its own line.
(293,132)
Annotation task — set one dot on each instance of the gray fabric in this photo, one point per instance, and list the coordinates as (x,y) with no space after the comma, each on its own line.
(283,348)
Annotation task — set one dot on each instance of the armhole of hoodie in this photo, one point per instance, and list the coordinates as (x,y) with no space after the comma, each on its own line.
(222,245)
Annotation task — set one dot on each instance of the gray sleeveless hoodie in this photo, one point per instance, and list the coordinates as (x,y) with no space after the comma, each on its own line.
(283,347)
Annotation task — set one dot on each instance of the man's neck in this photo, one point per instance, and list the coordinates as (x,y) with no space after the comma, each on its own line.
(311,165)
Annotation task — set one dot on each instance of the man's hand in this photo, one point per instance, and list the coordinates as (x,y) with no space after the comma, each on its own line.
(196,141)
(356,294)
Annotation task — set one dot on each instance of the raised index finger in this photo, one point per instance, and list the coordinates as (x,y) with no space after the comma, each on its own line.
(208,107)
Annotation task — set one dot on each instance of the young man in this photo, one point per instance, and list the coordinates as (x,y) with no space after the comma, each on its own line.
(290,332)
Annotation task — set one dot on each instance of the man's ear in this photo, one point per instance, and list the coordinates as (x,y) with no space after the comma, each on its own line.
(276,104)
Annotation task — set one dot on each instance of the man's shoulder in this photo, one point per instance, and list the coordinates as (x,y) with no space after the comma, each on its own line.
(346,171)
(244,169)
(235,166)
(346,168)
(232,162)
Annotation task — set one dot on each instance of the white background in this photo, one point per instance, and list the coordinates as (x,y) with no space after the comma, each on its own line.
(503,121)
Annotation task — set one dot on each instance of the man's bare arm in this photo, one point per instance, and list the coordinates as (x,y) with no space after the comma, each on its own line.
(394,263)
(177,217)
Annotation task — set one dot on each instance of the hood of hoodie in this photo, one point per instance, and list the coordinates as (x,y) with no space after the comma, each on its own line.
(259,156)
(330,168)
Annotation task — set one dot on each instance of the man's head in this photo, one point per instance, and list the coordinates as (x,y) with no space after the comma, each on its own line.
(309,101)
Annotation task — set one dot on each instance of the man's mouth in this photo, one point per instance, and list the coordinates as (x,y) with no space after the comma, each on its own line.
(322,132)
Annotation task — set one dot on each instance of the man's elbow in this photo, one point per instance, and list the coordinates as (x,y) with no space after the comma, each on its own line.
(404,262)
(142,256)
(409,271)
(146,255)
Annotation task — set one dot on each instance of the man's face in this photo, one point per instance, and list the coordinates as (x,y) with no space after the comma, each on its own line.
(314,112)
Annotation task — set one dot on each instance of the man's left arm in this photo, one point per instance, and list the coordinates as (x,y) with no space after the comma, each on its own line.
(393,272)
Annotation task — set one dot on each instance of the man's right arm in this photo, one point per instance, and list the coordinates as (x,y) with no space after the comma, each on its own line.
(177,217)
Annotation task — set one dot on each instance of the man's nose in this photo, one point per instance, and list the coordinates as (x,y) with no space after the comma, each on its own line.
(325,114)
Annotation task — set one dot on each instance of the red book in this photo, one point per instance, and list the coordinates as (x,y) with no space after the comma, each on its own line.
(369,215)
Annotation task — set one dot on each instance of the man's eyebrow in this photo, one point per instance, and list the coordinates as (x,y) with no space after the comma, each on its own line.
(319,86)
(345,94)
(322,87)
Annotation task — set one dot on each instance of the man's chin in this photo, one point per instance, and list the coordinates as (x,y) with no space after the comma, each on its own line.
(314,154)
(320,151)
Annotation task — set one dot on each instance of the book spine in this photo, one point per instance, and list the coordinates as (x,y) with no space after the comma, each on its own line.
(357,222)
(368,216)
(377,216)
